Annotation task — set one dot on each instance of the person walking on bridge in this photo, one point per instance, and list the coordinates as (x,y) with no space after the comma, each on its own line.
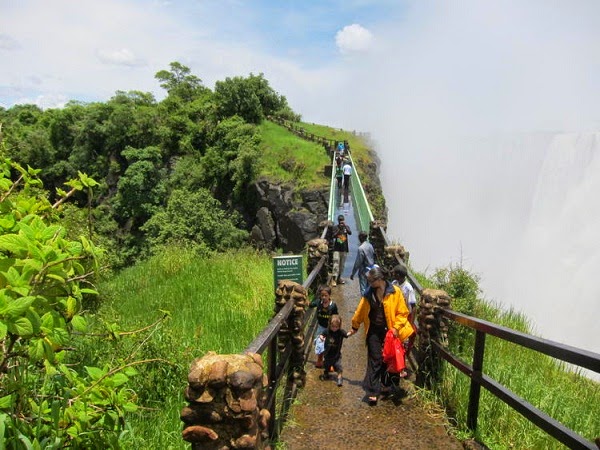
(365,259)
(347,174)
(381,308)
(340,235)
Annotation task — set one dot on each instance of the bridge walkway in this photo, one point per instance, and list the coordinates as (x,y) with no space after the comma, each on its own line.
(326,416)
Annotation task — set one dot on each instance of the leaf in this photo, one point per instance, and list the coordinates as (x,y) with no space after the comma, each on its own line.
(89,291)
(3,330)
(119,379)
(79,323)
(17,307)
(14,243)
(95,372)
(6,402)
(21,327)
(130,407)
(71,307)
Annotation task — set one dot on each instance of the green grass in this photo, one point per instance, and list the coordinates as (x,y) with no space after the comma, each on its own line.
(289,158)
(567,396)
(216,304)
(358,146)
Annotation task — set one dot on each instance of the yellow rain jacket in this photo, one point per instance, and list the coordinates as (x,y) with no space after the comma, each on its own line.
(394,307)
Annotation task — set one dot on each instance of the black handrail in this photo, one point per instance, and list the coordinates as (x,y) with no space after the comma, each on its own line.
(278,361)
(580,357)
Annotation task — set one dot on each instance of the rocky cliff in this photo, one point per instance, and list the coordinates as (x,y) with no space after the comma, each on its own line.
(287,218)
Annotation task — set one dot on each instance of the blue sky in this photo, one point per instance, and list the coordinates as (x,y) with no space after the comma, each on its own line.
(58,50)
(360,64)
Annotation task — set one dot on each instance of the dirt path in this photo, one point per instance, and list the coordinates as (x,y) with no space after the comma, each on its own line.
(326,416)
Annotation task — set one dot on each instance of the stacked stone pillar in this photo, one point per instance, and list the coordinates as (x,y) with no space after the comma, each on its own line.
(432,325)
(292,331)
(317,248)
(226,400)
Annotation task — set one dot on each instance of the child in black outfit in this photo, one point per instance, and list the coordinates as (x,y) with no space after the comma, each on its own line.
(334,337)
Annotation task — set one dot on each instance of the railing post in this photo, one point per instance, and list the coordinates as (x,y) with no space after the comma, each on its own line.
(474,392)
(317,248)
(432,326)
(226,399)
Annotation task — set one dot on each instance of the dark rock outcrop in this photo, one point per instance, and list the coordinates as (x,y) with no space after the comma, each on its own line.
(286,217)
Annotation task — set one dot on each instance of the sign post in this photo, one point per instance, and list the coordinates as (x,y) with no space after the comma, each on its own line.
(288,267)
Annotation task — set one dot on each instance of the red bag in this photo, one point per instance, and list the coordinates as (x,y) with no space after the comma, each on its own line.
(393,353)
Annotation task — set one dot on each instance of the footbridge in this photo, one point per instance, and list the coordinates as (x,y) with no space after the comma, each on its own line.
(270,395)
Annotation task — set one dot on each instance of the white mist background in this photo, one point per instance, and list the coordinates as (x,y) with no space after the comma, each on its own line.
(483,115)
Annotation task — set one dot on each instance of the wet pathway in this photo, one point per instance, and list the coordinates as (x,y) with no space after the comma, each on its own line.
(326,416)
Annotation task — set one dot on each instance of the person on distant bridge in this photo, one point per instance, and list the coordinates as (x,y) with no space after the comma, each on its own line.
(340,235)
(381,308)
(365,259)
(347,173)
(339,176)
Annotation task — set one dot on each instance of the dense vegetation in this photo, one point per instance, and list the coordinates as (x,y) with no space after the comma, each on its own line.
(160,165)
(170,196)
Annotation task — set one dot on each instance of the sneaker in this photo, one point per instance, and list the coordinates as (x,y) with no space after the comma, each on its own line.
(339,382)
(333,283)
(323,377)
(340,281)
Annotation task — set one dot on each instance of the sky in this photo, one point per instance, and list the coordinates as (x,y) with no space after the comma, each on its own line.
(59,50)
(463,100)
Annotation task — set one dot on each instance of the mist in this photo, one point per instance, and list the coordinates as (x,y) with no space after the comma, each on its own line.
(484,117)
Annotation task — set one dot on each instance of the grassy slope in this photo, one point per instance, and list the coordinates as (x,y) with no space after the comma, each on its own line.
(217,304)
(306,159)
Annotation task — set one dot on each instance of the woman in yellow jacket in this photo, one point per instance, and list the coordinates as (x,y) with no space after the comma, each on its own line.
(381,308)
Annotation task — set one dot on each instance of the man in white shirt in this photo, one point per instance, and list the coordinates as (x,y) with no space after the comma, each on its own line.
(347,169)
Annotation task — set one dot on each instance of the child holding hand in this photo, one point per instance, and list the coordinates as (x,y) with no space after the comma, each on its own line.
(333,338)
(325,309)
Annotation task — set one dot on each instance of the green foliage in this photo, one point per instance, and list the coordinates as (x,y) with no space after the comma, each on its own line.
(141,188)
(140,150)
(287,158)
(250,98)
(45,280)
(179,82)
(194,219)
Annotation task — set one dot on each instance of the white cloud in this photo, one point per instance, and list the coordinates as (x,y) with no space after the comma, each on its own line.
(8,43)
(353,38)
(121,57)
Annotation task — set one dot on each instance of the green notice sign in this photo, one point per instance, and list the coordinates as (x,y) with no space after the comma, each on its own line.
(288,267)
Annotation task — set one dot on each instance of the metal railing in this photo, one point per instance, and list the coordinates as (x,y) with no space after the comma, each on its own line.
(586,359)
(278,360)
(582,358)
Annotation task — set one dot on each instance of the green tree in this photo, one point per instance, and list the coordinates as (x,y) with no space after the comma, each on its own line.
(194,219)
(238,96)
(141,188)
(179,82)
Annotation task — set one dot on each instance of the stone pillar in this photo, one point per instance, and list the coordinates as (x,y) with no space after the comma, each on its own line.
(226,400)
(292,332)
(390,254)
(431,326)
(378,241)
(317,248)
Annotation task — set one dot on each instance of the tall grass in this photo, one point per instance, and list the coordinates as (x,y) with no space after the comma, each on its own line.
(216,304)
(286,157)
(560,392)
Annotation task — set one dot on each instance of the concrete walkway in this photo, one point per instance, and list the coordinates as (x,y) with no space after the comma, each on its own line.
(326,416)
